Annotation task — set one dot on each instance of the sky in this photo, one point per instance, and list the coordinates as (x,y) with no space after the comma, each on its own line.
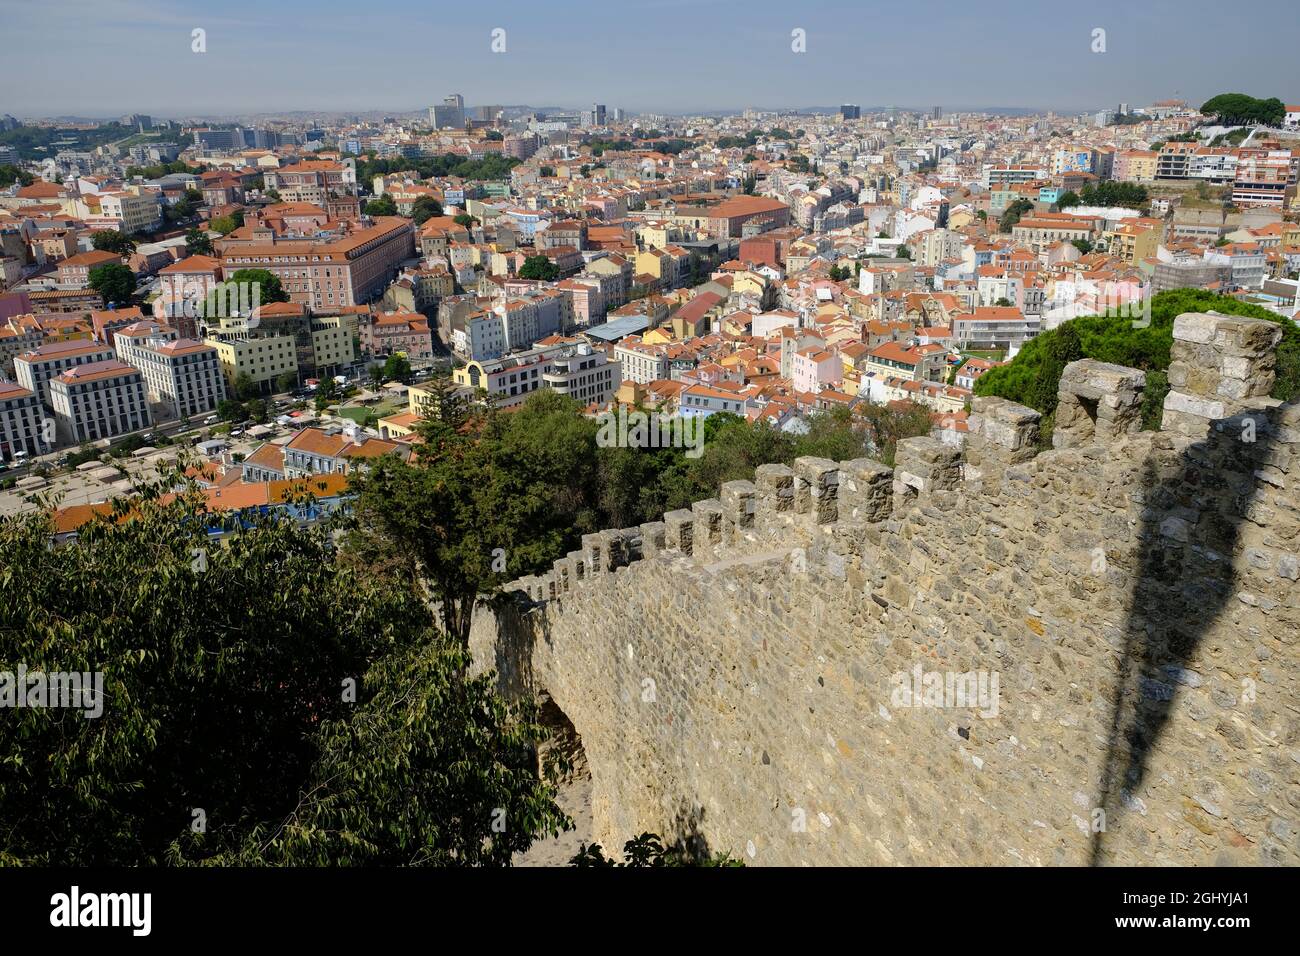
(109,57)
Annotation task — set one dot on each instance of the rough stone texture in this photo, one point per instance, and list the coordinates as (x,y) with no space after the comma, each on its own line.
(1009,432)
(1138,603)
(1097,402)
(739,506)
(1219,365)
(679,530)
(816,488)
(924,465)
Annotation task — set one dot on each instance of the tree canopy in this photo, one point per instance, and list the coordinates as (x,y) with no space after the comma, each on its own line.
(114,282)
(110,240)
(1234,109)
(1032,378)
(539,267)
(261,703)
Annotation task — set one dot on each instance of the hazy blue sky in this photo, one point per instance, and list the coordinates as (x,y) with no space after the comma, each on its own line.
(102,57)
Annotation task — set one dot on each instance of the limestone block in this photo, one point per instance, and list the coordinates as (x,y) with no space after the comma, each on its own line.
(679,531)
(865,489)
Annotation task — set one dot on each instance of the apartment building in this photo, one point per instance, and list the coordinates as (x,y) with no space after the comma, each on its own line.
(1012,174)
(641,362)
(75,270)
(916,363)
(388,333)
(701,401)
(478,337)
(262,357)
(994,327)
(334,451)
(36,368)
(182,376)
(1135,240)
(99,400)
(1174,160)
(1264,177)
(21,415)
(510,379)
(328,271)
(183,290)
(583,373)
(814,368)
(1038,234)
(1135,165)
(313,181)
(134,213)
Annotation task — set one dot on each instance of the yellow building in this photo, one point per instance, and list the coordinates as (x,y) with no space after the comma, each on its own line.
(748,283)
(263,359)
(1135,239)
(333,339)
(418,398)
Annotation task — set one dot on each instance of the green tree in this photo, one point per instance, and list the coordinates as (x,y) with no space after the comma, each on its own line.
(258,411)
(539,267)
(10,174)
(210,652)
(231,410)
(286,381)
(227,224)
(198,242)
(1067,199)
(1012,214)
(1111,193)
(239,287)
(424,209)
(466,220)
(375,375)
(110,240)
(1236,109)
(245,387)
(383,206)
(397,368)
(114,282)
(488,496)
(1033,377)
(648,850)
(327,393)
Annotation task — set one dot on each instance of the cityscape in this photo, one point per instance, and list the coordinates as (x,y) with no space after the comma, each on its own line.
(593,470)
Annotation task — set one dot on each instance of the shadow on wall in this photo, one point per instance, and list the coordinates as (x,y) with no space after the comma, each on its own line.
(1191,526)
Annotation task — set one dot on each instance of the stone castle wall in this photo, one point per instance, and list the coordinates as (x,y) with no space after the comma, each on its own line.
(1122,612)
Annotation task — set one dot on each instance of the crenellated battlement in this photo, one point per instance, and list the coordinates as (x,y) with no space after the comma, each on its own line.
(1135,592)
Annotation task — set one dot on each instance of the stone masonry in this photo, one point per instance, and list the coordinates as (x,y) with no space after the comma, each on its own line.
(982,656)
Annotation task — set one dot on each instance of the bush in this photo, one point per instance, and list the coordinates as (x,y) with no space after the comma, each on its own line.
(1034,376)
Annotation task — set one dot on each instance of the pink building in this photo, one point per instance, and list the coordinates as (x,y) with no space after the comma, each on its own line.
(816,368)
(386,333)
(588,303)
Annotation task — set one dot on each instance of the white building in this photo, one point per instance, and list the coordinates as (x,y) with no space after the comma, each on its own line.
(585,374)
(36,368)
(642,363)
(182,376)
(99,400)
(20,422)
